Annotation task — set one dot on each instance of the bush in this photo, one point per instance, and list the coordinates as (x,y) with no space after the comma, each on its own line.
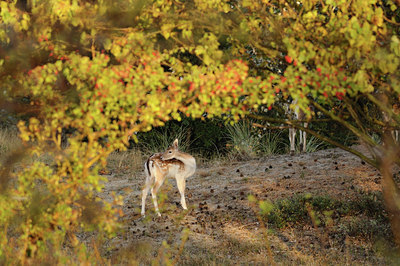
(297,209)
(306,208)
(244,144)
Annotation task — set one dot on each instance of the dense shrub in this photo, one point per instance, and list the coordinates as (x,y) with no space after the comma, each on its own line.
(320,209)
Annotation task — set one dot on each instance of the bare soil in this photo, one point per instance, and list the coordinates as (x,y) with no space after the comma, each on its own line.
(223,227)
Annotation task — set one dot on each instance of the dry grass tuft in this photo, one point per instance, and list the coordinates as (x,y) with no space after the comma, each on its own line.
(203,173)
(126,161)
(222,170)
(135,253)
(9,141)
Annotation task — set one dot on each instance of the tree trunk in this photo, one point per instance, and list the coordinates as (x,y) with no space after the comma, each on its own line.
(391,191)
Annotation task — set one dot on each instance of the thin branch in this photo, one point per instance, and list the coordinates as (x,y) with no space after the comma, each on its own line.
(354,114)
(349,126)
(391,21)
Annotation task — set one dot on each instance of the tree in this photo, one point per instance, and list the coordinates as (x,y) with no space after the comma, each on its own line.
(342,58)
(107,69)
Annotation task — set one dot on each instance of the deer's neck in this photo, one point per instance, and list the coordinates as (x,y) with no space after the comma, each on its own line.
(188,160)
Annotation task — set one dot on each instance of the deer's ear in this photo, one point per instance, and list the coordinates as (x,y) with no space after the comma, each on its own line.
(175,144)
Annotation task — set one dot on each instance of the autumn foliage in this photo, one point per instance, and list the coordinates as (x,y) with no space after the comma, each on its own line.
(103,70)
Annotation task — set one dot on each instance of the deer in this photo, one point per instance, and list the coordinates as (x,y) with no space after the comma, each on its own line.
(303,135)
(159,166)
(297,114)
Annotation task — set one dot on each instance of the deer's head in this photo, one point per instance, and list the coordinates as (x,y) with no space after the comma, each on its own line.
(170,153)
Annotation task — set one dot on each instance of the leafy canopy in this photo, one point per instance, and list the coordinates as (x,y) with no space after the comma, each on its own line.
(103,70)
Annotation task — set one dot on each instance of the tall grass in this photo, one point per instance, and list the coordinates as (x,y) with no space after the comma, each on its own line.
(271,143)
(163,139)
(314,144)
(128,161)
(246,141)
(243,142)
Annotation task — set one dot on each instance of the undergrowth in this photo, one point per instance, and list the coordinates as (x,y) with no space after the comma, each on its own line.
(364,216)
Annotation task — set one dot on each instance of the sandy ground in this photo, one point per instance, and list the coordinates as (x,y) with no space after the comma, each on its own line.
(222,226)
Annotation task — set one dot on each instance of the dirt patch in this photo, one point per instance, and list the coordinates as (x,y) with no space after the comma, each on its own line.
(223,227)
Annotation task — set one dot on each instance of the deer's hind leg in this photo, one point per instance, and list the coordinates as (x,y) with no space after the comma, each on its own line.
(159,180)
(181,183)
(292,140)
(145,192)
(154,191)
(303,135)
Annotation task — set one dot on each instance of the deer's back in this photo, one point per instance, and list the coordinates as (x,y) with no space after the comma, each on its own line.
(171,166)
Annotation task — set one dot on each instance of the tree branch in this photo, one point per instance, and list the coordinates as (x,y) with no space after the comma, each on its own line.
(295,124)
(358,133)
